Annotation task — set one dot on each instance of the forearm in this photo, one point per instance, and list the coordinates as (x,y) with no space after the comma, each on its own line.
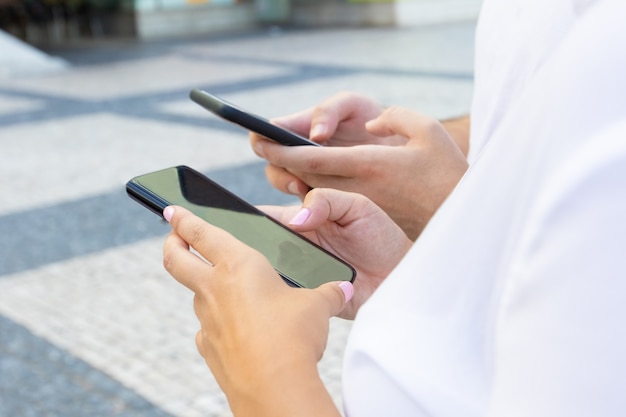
(459,129)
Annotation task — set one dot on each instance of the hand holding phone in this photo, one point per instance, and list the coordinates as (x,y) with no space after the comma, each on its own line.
(257,124)
(299,261)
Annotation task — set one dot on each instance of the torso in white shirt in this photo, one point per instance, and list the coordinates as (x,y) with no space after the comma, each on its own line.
(509,303)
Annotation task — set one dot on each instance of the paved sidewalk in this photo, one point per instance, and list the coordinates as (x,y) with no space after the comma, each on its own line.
(90,324)
(19,58)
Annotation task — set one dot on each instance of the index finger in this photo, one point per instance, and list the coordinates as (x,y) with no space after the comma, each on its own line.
(322,160)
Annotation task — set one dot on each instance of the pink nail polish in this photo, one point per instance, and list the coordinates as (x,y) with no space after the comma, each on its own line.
(348,290)
(301,217)
(168,212)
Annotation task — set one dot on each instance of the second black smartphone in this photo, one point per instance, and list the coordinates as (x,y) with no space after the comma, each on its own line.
(257,124)
(299,261)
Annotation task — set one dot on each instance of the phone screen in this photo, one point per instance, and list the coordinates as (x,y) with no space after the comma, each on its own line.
(299,261)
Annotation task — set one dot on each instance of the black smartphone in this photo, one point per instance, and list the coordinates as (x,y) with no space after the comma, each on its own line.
(299,261)
(232,113)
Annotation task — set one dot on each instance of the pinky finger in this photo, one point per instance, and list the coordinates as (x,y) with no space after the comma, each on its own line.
(285,181)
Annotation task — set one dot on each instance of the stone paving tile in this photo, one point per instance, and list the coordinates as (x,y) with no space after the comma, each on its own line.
(121,313)
(100,152)
(55,383)
(90,324)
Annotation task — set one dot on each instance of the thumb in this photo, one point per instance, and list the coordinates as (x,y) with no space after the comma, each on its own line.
(337,294)
(403,122)
(326,204)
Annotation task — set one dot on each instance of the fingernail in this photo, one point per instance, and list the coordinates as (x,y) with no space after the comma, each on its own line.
(258,148)
(168,212)
(348,290)
(318,130)
(292,188)
(301,217)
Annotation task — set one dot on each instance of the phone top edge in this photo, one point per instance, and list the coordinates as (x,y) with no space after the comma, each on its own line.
(146,198)
(208,101)
(249,121)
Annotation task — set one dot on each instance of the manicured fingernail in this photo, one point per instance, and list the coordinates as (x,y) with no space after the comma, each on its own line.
(292,188)
(168,212)
(348,290)
(317,130)
(301,217)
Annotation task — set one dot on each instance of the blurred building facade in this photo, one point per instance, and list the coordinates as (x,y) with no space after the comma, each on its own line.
(60,21)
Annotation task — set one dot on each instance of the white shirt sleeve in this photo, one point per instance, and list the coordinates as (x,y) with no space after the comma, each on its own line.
(559,348)
(512,301)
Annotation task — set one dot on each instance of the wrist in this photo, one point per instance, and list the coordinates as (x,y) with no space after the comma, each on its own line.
(294,391)
(459,130)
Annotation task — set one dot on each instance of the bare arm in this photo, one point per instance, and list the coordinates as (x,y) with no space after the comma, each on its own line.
(459,129)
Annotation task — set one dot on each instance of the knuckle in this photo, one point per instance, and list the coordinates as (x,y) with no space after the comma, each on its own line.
(197,234)
(168,261)
(345,95)
(335,300)
(315,164)
(433,126)
(168,255)
(368,171)
(393,110)
(193,231)
(200,344)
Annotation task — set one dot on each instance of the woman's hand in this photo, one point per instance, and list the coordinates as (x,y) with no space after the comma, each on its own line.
(408,176)
(356,230)
(338,121)
(261,338)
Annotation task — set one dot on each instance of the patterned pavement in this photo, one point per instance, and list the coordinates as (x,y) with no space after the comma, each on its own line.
(90,324)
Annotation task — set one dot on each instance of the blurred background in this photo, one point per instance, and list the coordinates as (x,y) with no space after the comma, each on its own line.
(54,22)
(94,92)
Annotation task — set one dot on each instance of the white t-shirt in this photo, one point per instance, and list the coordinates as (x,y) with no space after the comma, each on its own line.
(513,300)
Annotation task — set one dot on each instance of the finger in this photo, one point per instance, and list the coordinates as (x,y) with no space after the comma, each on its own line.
(258,143)
(285,181)
(331,113)
(336,295)
(200,343)
(312,160)
(184,266)
(280,213)
(213,243)
(325,120)
(325,204)
(401,121)
(203,348)
(299,122)
(335,205)
(319,123)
